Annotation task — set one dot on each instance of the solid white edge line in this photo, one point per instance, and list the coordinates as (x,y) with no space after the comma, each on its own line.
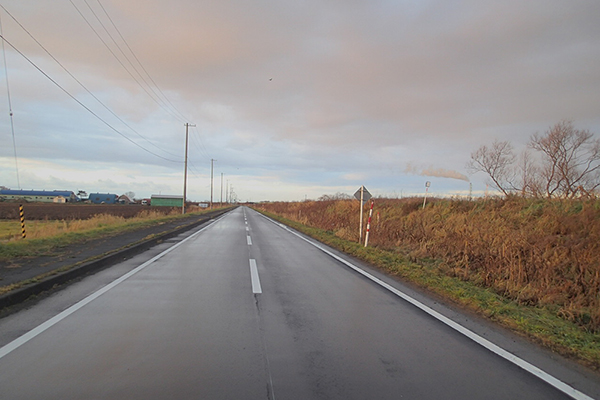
(546,377)
(9,347)
(256,288)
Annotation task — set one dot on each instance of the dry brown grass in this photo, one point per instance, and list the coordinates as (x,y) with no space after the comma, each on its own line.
(537,252)
(44,229)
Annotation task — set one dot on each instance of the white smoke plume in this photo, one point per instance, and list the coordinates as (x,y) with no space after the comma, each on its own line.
(437,172)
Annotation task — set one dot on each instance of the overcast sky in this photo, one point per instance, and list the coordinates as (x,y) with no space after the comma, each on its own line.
(293,99)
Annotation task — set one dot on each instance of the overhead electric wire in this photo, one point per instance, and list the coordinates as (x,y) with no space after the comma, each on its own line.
(194,172)
(199,148)
(82,85)
(83,105)
(122,52)
(142,65)
(123,65)
(10,111)
(200,144)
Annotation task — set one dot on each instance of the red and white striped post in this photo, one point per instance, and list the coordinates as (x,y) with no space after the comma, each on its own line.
(369,224)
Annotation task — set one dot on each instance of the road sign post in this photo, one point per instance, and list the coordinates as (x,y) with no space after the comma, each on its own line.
(427,184)
(361,213)
(362,195)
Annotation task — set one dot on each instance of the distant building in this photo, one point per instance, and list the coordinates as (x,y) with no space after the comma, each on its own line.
(166,200)
(43,196)
(103,198)
(124,199)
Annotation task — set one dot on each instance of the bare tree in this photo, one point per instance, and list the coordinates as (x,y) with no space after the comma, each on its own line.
(571,160)
(497,162)
(528,175)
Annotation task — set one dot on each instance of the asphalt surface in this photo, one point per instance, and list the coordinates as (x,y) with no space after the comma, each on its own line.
(245,309)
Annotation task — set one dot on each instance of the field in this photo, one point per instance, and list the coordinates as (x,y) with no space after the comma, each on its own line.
(51,211)
(44,220)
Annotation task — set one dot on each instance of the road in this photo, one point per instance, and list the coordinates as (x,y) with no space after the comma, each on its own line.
(246,309)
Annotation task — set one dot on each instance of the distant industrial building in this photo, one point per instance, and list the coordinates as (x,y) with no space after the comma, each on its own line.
(166,200)
(43,196)
(103,198)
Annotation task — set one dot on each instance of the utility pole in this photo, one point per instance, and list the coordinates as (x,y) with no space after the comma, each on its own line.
(221,203)
(211,182)
(185,169)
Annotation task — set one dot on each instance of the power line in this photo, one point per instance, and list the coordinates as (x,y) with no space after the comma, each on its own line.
(12,124)
(195,168)
(81,84)
(83,105)
(120,49)
(140,64)
(120,62)
(200,144)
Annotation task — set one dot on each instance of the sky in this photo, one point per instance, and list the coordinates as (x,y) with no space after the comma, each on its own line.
(291,100)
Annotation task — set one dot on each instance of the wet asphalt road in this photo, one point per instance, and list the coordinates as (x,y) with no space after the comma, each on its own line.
(246,310)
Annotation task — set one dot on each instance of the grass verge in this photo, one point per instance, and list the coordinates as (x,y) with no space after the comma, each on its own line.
(540,324)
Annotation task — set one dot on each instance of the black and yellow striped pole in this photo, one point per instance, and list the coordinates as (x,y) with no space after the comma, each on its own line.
(22,215)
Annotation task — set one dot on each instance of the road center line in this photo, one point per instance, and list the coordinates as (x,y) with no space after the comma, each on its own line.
(256,289)
(249,239)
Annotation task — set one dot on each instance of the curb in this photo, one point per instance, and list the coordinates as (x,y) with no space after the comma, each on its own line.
(20,295)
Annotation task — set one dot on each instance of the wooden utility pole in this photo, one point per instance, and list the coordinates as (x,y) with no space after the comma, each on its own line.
(185,169)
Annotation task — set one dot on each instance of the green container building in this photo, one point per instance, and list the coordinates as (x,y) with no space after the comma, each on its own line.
(166,200)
